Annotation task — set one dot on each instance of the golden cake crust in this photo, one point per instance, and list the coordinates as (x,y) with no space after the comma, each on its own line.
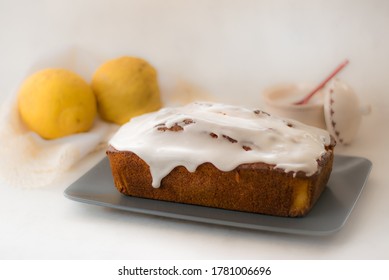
(256,187)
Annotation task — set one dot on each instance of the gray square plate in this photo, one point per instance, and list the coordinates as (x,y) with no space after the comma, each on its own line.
(330,213)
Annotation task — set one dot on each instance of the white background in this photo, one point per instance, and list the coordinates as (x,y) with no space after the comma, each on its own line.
(231,50)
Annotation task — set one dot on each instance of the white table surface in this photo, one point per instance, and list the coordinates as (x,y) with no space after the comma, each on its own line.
(232,50)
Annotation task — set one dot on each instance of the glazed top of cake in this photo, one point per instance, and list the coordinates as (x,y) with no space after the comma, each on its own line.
(223,135)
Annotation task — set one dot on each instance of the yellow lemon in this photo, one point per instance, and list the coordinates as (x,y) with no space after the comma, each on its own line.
(56,103)
(125,87)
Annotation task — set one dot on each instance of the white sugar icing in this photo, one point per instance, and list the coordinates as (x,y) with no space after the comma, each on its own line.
(223,135)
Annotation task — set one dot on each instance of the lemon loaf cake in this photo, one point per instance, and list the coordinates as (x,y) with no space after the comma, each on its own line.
(222,156)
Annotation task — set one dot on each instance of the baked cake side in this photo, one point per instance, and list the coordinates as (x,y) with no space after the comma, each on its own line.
(256,187)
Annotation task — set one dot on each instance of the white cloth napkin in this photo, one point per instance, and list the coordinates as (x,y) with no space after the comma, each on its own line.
(26,159)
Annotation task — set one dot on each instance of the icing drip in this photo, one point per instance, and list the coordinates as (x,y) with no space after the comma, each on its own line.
(223,135)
